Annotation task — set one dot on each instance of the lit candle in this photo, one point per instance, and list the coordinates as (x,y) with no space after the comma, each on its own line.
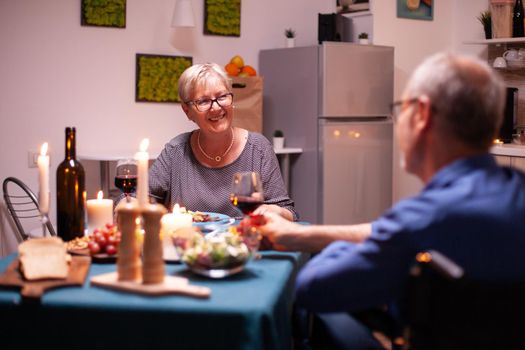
(99,211)
(142,158)
(170,224)
(43,177)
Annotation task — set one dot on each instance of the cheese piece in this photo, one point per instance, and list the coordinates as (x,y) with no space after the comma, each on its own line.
(42,258)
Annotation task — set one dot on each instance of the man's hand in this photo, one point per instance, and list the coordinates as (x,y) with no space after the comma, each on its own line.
(272,208)
(279,231)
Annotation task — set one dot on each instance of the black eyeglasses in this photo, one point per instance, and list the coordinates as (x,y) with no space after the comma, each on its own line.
(396,107)
(205,104)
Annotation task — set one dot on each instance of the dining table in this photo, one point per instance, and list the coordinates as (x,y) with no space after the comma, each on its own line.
(249,310)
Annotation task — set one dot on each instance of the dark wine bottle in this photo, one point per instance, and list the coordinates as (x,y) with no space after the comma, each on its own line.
(517,20)
(71,208)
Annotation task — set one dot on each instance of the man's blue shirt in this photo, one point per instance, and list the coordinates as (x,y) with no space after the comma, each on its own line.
(472,210)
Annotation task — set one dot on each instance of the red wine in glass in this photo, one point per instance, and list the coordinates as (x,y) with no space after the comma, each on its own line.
(126,176)
(247,192)
(246,204)
(126,183)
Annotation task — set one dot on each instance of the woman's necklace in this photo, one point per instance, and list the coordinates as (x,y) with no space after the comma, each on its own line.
(216,158)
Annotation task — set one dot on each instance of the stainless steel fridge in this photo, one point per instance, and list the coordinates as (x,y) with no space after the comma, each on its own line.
(332,100)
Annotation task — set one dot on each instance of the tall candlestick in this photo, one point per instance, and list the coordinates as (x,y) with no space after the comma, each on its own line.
(100,212)
(43,177)
(142,158)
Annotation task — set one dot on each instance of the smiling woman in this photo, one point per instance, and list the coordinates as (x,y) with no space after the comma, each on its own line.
(196,168)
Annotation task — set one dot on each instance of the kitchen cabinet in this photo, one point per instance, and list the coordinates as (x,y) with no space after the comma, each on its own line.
(498,42)
(510,155)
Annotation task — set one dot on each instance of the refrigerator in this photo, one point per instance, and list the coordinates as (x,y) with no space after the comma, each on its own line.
(332,100)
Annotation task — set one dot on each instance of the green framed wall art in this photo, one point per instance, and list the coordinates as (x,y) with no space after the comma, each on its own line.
(103,13)
(222,17)
(157,77)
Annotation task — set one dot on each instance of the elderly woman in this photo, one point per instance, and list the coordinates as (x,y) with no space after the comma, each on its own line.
(196,168)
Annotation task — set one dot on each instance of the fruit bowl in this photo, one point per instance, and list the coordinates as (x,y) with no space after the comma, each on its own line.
(217,254)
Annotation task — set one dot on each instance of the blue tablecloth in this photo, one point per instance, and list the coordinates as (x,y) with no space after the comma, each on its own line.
(250,310)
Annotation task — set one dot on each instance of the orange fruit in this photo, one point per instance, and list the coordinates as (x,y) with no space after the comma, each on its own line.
(232,69)
(249,70)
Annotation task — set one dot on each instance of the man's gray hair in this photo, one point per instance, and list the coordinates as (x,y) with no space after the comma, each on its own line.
(201,75)
(467,97)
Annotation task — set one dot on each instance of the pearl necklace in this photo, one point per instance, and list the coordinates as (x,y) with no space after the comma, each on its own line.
(216,158)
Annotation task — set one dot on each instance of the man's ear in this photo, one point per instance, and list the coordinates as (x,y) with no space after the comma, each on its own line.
(423,119)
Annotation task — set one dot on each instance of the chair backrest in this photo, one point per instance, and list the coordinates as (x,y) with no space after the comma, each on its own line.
(22,204)
(447,310)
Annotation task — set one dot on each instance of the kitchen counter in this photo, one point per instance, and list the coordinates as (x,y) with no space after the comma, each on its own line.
(509,149)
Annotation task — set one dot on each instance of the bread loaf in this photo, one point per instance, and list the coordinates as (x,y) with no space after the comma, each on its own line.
(42,258)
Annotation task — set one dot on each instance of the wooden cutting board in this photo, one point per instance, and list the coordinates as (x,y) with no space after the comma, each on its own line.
(171,285)
(34,289)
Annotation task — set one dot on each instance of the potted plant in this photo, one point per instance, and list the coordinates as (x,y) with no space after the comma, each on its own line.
(363,38)
(290,37)
(486,20)
(278,139)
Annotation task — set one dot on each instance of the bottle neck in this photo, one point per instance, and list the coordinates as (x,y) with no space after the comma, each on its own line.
(70,144)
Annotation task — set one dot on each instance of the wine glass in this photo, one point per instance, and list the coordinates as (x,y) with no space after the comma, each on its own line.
(247,195)
(126,176)
(247,192)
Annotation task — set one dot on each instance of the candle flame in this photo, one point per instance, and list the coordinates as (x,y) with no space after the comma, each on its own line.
(176,208)
(100,195)
(43,149)
(144,145)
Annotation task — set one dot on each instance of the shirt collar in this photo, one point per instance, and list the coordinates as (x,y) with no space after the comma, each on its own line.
(460,167)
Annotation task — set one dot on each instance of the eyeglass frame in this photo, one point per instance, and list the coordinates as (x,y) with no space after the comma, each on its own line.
(216,100)
(395,107)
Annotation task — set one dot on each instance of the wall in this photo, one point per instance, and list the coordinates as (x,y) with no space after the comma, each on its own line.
(56,73)
(454,22)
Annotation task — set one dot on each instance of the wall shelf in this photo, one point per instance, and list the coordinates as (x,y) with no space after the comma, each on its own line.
(496,41)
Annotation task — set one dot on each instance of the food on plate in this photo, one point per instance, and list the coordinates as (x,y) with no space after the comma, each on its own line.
(104,240)
(202,217)
(78,243)
(44,257)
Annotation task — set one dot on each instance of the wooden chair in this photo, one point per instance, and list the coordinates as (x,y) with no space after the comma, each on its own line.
(22,204)
(447,310)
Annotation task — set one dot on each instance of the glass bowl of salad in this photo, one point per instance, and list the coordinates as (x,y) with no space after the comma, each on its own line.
(217,254)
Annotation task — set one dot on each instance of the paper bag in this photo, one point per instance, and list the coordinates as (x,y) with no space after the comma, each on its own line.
(248,102)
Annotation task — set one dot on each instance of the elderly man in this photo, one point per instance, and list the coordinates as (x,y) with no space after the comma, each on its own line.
(470,209)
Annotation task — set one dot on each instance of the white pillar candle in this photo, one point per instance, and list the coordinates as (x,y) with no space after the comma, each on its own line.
(43,177)
(100,212)
(170,223)
(142,158)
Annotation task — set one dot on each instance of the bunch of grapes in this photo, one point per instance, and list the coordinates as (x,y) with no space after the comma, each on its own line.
(105,240)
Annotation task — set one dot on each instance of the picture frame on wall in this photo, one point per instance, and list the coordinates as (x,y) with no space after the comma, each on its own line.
(222,17)
(107,13)
(415,9)
(157,77)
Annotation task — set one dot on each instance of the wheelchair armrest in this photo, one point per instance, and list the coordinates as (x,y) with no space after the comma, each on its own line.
(439,263)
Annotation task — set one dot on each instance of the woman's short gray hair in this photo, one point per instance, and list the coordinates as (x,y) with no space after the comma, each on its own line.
(201,75)
(467,97)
